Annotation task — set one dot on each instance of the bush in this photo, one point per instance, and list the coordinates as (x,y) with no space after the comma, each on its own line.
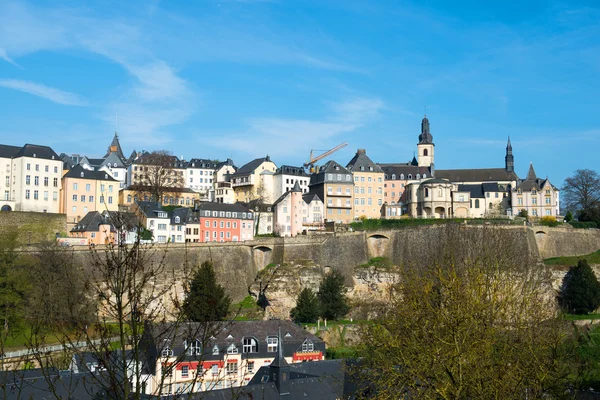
(549,221)
(569,216)
(523,214)
(580,292)
(583,225)
(206,300)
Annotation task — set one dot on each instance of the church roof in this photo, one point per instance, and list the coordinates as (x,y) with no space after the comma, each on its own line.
(425,137)
(477,175)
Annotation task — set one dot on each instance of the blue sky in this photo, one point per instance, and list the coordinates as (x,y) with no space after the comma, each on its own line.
(246,78)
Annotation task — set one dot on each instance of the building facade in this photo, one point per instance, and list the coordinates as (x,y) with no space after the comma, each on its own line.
(254,180)
(368,186)
(538,197)
(335,185)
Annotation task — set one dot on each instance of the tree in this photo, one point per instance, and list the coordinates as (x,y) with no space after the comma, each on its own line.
(158,174)
(569,216)
(332,296)
(469,323)
(580,292)
(581,191)
(307,307)
(206,300)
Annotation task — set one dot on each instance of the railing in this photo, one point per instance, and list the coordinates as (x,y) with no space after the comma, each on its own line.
(53,349)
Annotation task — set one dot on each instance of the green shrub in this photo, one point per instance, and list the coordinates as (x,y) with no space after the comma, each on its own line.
(580,293)
(583,225)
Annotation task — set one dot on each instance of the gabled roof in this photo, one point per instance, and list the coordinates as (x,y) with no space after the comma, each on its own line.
(79,172)
(201,163)
(531,173)
(37,151)
(492,187)
(228,162)
(403,169)
(332,167)
(92,221)
(151,209)
(111,160)
(360,162)
(310,197)
(251,166)
(476,175)
(532,182)
(214,206)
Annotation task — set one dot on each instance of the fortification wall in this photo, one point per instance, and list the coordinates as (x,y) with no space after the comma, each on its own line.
(34,227)
(558,242)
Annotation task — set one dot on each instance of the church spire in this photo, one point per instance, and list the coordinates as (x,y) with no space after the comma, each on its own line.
(531,173)
(509,159)
(425,136)
(280,369)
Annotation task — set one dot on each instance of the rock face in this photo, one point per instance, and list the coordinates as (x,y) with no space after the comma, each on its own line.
(368,287)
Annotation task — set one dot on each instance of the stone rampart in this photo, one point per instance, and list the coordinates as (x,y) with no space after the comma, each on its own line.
(34,227)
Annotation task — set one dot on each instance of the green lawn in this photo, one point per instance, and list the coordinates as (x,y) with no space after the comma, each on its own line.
(577,317)
(593,258)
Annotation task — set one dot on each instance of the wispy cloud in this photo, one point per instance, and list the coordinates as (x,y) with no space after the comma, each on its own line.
(46,92)
(6,58)
(283,137)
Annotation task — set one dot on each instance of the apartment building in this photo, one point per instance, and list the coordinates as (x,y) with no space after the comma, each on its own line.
(286,177)
(368,185)
(295,212)
(221,222)
(31,178)
(199,176)
(84,191)
(537,196)
(335,186)
(182,361)
(153,218)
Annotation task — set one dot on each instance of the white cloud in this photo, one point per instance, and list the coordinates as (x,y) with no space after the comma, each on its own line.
(46,92)
(4,56)
(281,137)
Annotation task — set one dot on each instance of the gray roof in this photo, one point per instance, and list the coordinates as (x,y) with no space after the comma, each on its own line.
(150,208)
(332,167)
(310,197)
(92,220)
(492,187)
(37,151)
(361,160)
(476,175)
(401,168)
(533,182)
(425,136)
(475,191)
(214,206)
(202,163)
(79,172)
(7,151)
(291,170)
(117,145)
(251,166)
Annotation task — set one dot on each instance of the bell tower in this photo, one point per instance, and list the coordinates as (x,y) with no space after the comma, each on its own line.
(425,147)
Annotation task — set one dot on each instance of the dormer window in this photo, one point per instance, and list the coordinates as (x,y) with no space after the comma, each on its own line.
(232,349)
(362,168)
(409,176)
(81,174)
(177,219)
(393,176)
(401,176)
(215,350)
(370,168)
(250,345)
(308,345)
(418,176)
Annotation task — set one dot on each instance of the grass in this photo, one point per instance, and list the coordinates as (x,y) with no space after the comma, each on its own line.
(592,258)
(246,310)
(333,353)
(378,262)
(578,317)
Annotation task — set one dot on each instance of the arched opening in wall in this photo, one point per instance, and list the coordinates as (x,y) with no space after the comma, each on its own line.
(6,207)
(425,152)
(540,235)
(262,256)
(377,245)
(461,212)
(440,212)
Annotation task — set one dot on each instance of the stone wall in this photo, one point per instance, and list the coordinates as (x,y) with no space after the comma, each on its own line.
(34,227)
(559,242)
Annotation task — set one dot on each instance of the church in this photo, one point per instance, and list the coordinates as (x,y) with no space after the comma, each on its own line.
(416,189)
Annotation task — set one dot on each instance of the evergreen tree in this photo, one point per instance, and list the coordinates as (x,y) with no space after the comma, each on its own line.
(580,293)
(206,300)
(307,307)
(569,216)
(332,296)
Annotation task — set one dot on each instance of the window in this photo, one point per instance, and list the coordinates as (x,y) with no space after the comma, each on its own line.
(27,179)
(232,367)
(232,349)
(534,200)
(35,194)
(214,369)
(75,186)
(28,167)
(250,366)
(185,371)
(101,199)
(74,197)
(88,187)
(426,192)
(55,182)
(487,195)
(250,345)
(91,199)
(109,199)
(83,198)
(476,203)
(308,345)
(167,352)
(45,181)
(548,201)
(36,181)
(55,170)
(215,350)
(496,195)
(37,167)
(272,344)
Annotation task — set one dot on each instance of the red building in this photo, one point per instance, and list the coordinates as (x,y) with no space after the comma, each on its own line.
(220,222)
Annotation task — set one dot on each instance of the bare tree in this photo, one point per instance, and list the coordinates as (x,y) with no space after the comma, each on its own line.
(581,192)
(157,173)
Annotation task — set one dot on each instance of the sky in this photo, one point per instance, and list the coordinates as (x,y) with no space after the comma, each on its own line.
(242,79)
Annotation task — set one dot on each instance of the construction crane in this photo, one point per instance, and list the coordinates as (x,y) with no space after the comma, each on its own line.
(311,163)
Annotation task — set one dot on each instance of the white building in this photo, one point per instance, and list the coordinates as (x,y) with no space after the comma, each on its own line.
(295,212)
(155,219)
(286,176)
(199,175)
(32,178)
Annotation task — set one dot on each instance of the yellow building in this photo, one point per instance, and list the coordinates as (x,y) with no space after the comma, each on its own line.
(171,196)
(84,191)
(255,181)
(368,185)
(333,184)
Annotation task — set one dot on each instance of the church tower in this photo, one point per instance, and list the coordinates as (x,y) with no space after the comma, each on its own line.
(509,159)
(425,146)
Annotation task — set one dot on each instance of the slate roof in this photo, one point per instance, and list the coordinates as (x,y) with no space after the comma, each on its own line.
(115,143)
(492,187)
(291,170)
(91,222)
(168,189)
(475,191)
(425,136)
(361,159)
(29,150)
(7,151)
(229,161)
(332,167)
(476,175)
(214,206)
(251,166)
(310,197)
(533,182)
(201,163)
(112,159)
(150,208)
(401,168)
(78,170)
